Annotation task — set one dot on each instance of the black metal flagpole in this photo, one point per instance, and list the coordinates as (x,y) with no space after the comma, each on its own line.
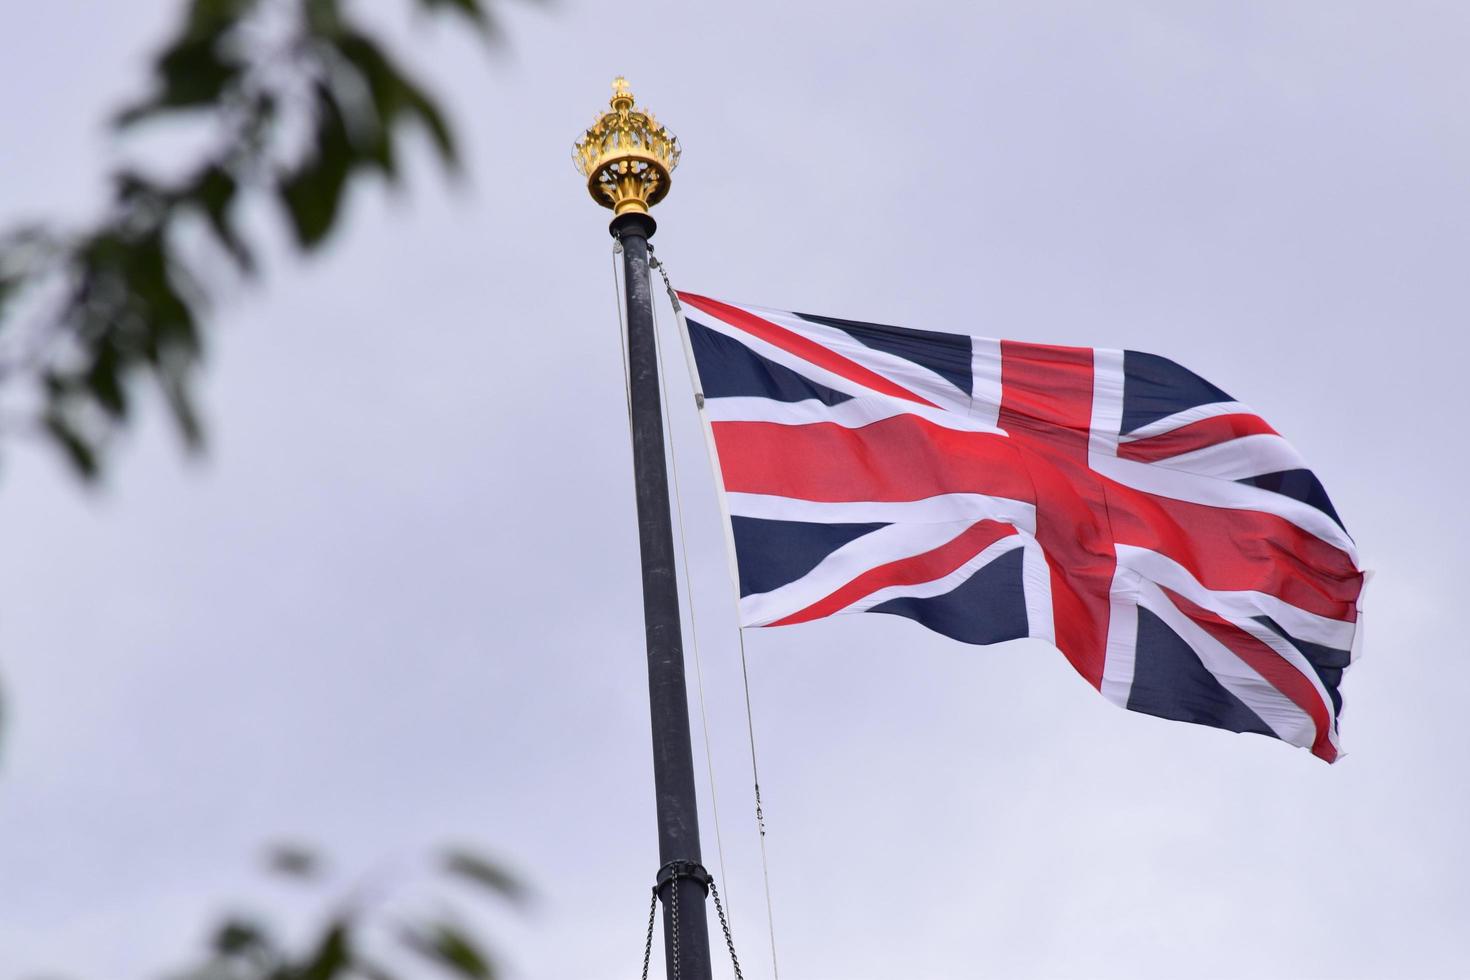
(627,157)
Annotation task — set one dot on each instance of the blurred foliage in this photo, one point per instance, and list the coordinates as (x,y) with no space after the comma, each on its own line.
(367,939)
(300,101)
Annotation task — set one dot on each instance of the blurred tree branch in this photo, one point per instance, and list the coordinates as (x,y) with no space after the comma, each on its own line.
(300,101)
(368,940)
(86,315)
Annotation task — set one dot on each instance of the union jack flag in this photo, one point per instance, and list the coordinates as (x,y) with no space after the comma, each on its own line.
(1162,535)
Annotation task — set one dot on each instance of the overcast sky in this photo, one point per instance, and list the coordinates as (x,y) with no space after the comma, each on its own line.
(397,603)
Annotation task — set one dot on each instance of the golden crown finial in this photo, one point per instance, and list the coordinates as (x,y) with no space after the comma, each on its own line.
(622,94)
(626,155)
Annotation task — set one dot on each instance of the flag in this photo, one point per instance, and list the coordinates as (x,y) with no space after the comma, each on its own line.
(1163,536)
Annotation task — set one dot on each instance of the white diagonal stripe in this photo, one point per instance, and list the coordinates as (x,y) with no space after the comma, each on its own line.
(888,544)
(1238,459)
(945,583)
(781,356)
(1241,608)
(852,414)
(1236,605)
(1280,713)
(903,372)
(944,508)
(1189,415)
(1176,485)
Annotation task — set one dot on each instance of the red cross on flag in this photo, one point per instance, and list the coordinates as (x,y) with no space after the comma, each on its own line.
(1164,537)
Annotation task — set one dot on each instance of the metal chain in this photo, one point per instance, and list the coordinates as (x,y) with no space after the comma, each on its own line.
(725,927)
(676,871)
(648,942)
(674,921)
(656,264)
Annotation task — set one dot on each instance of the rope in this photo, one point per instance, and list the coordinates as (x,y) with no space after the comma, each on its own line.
(760,818)
(617,250)
(688,589)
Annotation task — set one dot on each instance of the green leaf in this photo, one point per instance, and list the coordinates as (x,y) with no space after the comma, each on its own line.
(213,192)
(431,116)
(81,454)
(476,869)
(104,383)
(10,286)
(149,275)
(370,970)
(191,73)
(196,67)
(129,309)
(323,17)
(236,937)
(471,10)
(373,134)
(132,188)
(332,955)
(204,15)
(450,948)
(293,860)
(195,70)
(313,193)
(25,254)
(176,393)
(395,95)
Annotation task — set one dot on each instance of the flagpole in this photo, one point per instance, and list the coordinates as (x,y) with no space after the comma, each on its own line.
(626,157)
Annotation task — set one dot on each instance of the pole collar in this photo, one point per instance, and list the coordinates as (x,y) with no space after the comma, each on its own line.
(675,870)
(632,223)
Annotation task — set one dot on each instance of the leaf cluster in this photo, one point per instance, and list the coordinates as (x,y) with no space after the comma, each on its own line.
(128,298)
(360,942)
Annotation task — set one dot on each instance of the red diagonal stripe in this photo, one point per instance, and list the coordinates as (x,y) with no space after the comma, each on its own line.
(1195,435)
(899,458)
(802,347)
(1278,672)
(1236,550)
(913,570)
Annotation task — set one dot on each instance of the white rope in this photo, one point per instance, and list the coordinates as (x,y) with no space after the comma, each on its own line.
(617,251)
(689,592)
(760,819)
(760,816)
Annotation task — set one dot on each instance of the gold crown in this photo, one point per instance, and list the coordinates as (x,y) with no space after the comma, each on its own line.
(626,156)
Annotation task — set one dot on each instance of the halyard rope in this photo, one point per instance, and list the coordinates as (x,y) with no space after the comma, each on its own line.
(688,590)
(693,629)
(617,251)
(760,819)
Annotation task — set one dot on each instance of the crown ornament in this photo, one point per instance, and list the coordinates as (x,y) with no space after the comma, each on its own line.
(626,155)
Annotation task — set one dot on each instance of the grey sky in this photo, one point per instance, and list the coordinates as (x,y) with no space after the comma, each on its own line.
(397,603)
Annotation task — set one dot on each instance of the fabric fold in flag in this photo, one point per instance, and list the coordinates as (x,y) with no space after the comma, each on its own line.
(1165,538)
